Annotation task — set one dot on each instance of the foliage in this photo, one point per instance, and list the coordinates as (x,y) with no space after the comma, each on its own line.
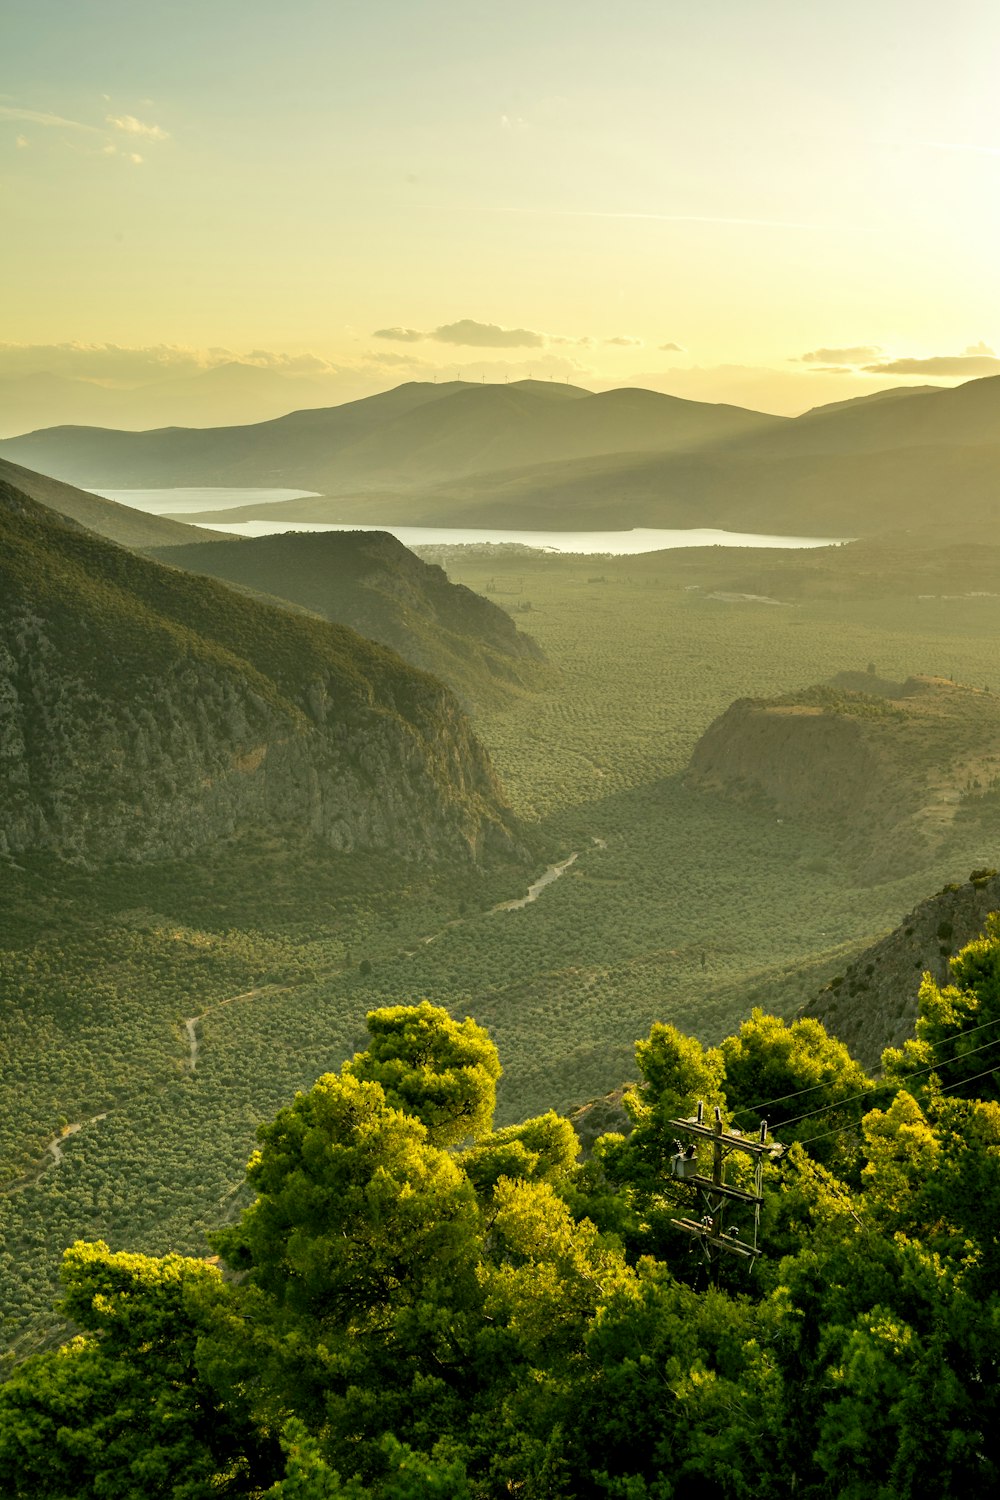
(412,1320)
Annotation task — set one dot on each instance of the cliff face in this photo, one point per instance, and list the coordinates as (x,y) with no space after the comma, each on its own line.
(147,714)
(894,773)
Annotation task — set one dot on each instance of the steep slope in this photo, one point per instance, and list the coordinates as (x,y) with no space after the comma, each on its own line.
(415,434)
(120,523)
(873,1004)
(370,581)
(147,713)
(893,772)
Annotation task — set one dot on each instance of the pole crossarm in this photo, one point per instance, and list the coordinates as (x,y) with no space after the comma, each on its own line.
(721,1241)
(721,1187)
(714,1192)
(733,1139)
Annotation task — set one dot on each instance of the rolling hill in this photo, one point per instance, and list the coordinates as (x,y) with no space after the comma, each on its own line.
(148,714)
(417,433)
(371,582)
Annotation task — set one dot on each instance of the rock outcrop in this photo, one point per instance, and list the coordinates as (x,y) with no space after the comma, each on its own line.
(894,773)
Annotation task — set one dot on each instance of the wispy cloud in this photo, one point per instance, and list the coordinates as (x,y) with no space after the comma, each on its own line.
(658,218)
(671,349)
(856,354)
(468,332)
(400,335)
(625,343)
(131,126)
(945,365)
(42,117)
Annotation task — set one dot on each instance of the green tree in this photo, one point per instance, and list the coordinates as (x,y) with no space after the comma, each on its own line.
(442,1071)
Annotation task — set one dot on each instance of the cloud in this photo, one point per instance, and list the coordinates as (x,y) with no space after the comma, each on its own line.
(856,354)
(131,126)
(625,343)
(979,348)
(512,122)
(468,333)
(41,117)
(135,158)
(400,335)
(671,349)
(969,365)
(392,359)
(486,335)
(21,141)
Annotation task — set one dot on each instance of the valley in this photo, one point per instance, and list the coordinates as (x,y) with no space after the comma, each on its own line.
(680,904)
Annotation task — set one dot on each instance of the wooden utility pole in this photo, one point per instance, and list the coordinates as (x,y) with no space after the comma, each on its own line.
(715,1196)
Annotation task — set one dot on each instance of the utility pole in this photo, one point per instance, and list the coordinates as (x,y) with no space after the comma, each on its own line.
(715,1195)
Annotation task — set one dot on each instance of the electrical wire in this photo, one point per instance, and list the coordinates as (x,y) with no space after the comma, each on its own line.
(850,1098)
(859,1124)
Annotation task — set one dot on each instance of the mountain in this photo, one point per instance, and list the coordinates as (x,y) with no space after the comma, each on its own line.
(230,392)
(873,1004)
(416,433)
(965,416)
(895,393)
(148,713)
(120,523)
(895,772)
(370,581)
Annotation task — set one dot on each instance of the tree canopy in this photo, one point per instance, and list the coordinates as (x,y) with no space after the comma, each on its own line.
(416,1304)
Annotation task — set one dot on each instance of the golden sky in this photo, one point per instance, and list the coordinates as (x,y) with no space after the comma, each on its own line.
(766,201)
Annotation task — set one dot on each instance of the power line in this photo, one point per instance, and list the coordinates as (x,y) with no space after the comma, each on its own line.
(859,1124)
(849,1098)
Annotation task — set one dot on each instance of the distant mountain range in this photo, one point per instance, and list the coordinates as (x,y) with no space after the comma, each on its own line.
(147,713)
(416,433)
(536,454)
(229,392)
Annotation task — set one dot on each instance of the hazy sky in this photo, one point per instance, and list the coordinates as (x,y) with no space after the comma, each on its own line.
(693,196)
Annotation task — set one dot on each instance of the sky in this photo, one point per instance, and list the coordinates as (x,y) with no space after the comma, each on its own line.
(772,202)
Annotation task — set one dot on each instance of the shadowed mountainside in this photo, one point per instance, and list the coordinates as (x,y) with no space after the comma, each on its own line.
(873,1004)
(120,523)
(147,713)
(371,582)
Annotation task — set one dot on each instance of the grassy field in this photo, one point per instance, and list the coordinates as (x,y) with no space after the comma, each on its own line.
(677,907)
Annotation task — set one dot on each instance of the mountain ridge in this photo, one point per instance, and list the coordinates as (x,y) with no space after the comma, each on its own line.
(148,713)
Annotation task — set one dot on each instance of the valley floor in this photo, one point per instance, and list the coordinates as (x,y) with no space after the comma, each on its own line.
(121,1014)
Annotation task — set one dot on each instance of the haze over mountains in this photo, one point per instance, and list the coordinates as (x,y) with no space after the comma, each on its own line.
(536,454)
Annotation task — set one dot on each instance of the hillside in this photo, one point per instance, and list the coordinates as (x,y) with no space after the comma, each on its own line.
(890,772)
(148,713)
(120,523)
(873,1003)
(418,433)
(371,582)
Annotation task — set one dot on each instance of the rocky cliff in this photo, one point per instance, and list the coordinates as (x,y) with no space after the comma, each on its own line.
(145,713)
(895,773)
